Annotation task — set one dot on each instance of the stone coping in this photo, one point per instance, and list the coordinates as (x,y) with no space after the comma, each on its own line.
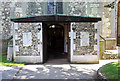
(110,38)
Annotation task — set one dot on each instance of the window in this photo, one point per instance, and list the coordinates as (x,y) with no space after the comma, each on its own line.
(59,7)
(55,7)
(50,6)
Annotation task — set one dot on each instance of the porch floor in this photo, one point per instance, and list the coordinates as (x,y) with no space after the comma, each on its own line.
(57,61)
(57,58)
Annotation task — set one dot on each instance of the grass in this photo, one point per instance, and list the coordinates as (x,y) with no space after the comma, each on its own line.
(111,71)
(5,62)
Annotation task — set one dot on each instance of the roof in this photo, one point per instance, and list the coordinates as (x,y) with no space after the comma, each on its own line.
(56,18)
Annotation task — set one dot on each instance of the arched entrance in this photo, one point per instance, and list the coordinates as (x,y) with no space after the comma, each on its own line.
(55,43)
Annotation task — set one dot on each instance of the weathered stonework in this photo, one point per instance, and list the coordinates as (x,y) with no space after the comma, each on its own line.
(85,9)
(27,50)
(92,40)
(108,25)
(13,9)
(5,23)
(77,8)
(34,9)
(26,53)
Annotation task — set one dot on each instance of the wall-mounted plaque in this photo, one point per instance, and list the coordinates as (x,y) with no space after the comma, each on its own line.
(16,48)
(84,39)
(16,25)
(74,35)
(95,47)
(27,39)
(16,37)
(96,36)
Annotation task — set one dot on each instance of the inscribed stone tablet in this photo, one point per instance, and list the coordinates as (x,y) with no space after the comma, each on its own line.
(74,46)
(16,37)
(84,39)
(39,35)
(96,36)
(17,48)
(16,25)
(27,39)
(74,35)
(95,47)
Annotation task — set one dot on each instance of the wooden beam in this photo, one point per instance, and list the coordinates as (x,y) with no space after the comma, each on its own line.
(56,18)
(118,24)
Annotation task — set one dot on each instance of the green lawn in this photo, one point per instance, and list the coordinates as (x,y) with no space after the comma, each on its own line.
(111,70)
(5,62)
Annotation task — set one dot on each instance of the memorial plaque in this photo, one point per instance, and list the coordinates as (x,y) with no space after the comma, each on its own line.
(96,36)
(74,35)
(17,48)
(95,47)
(16,37)
(39,35)
(74,46)
(84,39)
(27,39)
(16,25)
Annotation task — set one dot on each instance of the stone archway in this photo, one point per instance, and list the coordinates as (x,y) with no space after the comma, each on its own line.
(55,47)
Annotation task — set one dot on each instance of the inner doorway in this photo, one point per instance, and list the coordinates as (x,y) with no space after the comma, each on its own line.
(55,44)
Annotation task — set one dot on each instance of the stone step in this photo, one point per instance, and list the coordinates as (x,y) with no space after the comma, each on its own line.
(111,54)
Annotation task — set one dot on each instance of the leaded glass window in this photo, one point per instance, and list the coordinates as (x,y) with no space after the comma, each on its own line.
(59,7)
(55,7)
(50,6)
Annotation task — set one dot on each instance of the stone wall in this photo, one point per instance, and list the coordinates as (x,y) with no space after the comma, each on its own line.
(108,26)
(27,40)
(14,9)
(5,25)
(86,29)
(21,49)
(84,9)
(28,9)
(85,42)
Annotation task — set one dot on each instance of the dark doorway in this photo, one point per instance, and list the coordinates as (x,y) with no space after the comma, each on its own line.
(55,43)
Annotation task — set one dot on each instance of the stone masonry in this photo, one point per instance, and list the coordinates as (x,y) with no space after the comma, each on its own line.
(31,50)
(92,40)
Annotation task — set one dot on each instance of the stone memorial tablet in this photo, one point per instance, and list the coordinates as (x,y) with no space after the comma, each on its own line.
(74,35)
(27,39)
(16,25)
(17,48)
(95,47)
(84,39)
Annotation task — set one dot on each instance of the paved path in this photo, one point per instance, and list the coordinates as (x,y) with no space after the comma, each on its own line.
(55,71)
(8,72)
